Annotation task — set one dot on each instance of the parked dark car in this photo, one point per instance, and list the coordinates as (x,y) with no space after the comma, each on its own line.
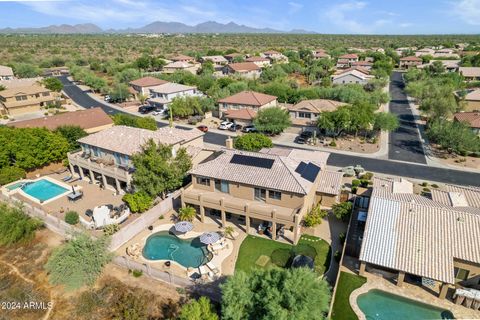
(235,127)
(250,128)
(306,134)
(146,109)
(202,128)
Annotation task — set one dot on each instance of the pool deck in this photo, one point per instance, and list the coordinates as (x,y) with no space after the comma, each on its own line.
(411,292)
(222,260)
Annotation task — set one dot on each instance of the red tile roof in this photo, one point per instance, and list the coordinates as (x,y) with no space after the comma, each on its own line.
(250,98)
(243,66)
(241,114)
(472,118)
(255,58)
(85,119)
(411,58)
(147,82)
(349,56)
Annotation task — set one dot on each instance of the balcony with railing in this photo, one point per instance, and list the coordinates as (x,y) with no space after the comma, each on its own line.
(105,165)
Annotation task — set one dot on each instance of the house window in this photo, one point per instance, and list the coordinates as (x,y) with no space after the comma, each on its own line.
(46,94)
(260,194)
(221,186)
(203,181)
(277,195)
(304,115)
(20,98)
(461,274)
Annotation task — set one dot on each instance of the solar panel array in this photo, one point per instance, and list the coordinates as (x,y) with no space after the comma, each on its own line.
(308,171)
(252,161)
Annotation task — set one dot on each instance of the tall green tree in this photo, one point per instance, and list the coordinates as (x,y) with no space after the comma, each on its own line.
(53,84)
(275,293)
(200,309)
(158,171)
(252,142)
(72,134)
(272,120)
(16,226)
(121,119)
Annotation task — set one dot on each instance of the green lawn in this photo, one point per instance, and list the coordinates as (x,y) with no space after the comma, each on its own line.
(346,284)
(256,252)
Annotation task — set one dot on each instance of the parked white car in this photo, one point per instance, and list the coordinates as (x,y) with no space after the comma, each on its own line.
(225,125)
(158,113)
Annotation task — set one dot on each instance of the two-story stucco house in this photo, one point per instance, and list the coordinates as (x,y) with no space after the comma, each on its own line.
(248,70)
(20,100)
(143,85)
(305,113)
(253,101)
(6,73)
(268,192)
(172,67)
(163,95)
(105,156)
(410,62)
(259,61)
(352,75)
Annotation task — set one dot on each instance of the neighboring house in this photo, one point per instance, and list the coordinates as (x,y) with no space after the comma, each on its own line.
(377,49)
(217,60)
(445,52)
(362,64)
(352,75)
(342,64)
(472,100)
(162,95)
(350,57)
(275,56)
(449,65)
(259,61)
(275,188)
(470,73)
(247,70)
(6,73)
(427,238)
(470,118)
(320,54)
(20,100)
(91,120)
(56,72)
(329,188)
(22,82)
(246,100)
(243,117)
(401,51)
(424,52)
(182,58)
(230,57)
(181,66)
(409,62)
(143,85)
(106,155)
(306,112)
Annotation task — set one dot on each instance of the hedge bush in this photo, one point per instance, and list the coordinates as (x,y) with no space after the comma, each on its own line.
(71,217)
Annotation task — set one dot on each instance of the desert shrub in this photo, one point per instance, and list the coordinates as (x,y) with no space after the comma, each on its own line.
(137,273)
(16,226)
(355,183)
(110,229)
(367,176)
(138,201)
(281,257)
(71,217)
(333,143)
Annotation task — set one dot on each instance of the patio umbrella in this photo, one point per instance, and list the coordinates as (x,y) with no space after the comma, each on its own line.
(209,237)
(183,226)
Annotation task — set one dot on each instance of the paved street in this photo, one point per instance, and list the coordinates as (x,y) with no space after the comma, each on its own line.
(404,143)
(412,170)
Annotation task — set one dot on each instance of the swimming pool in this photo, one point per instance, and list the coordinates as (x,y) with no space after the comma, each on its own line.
(15,185)
(43,189)
(165,246)
(381,305)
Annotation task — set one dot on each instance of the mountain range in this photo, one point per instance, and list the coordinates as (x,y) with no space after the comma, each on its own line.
(154,27)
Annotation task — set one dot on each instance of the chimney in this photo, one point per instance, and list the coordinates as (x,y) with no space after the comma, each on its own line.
(229,143)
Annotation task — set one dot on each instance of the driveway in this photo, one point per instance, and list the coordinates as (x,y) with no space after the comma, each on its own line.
(404,143)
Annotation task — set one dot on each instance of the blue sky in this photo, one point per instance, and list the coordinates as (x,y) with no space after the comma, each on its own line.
(333,16)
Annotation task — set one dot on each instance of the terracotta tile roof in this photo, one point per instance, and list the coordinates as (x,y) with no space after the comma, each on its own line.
(469,71)
(349,56)
(321,54)
(360,69)
(6,71)
(256,58)
(34,89)
(330,182)
(182,57)
(284,174)
(362,63)
(417,237)
(250,98)
(243,66)
(215,59)
(171,87)
(241,114)
(147,82)
(317,105)
(472,118)
(85,119)
(473,95)
(411,58)
(24,82)
(129,140)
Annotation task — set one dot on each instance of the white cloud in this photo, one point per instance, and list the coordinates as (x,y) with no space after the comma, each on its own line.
(405,24)
(294,7)
(467,10)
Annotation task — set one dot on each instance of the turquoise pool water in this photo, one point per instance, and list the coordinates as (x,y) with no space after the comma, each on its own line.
(43,189)
(165,246)
(381,305)
(15,185)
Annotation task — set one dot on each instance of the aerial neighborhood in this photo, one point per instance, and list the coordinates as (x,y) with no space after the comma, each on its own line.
(163,175)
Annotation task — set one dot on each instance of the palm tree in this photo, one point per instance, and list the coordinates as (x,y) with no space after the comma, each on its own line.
(187,214)
(228,232)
